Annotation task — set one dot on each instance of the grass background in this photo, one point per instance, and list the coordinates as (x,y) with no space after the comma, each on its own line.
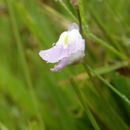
(88,96)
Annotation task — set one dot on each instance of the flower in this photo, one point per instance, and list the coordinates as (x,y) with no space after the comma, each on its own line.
(67,50)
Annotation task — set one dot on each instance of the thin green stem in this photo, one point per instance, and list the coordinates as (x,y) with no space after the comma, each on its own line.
(23,60)
(84,31)
(110,86)
(84,104)
(107,69)
(100,71)
(83,17)
(106,45)
(68,10)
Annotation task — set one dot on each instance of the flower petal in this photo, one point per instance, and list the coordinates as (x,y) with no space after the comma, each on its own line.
(51,55)
(60,65)
(54,54)
(76,46)
(75,57)
(62,38)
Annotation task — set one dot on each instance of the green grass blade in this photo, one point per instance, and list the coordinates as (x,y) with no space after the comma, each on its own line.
(23,60)
(84,105)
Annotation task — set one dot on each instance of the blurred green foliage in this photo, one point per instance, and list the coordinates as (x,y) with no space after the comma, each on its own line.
(88,96)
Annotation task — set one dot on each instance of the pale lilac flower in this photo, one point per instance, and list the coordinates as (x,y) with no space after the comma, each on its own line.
(67,50)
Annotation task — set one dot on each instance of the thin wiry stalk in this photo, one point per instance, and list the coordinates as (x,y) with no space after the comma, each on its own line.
(110,86)
(82,23)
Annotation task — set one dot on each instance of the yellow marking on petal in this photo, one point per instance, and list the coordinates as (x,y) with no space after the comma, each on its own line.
(66,40)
